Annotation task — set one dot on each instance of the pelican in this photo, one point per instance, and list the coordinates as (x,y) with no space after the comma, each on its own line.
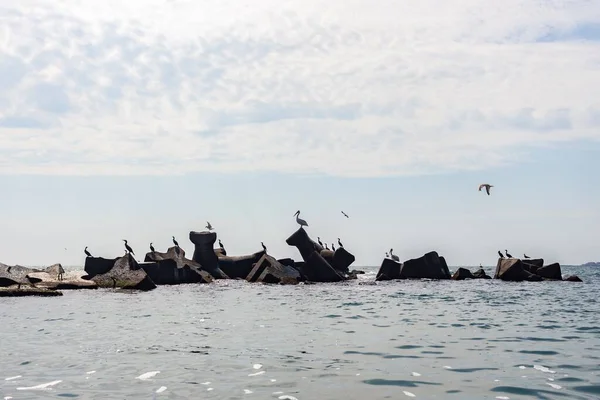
(87,253)
(152,248)
(175,242)
(345,215)
(500,254)
(340,243)
(221,245)
(209,226)
(487,187)
(525,255)
(332,247)
(507,255)
(300,220)
(394,257)
(319,240)
(264,247)
(128,248)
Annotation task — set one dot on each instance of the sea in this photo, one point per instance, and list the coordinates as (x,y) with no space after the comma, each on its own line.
(422,339)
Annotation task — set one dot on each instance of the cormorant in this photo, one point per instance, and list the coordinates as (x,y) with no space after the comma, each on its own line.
(264,247)
(326,246)
(340,243)
(300,220)
(128,248)
(487,187)
(525,255)
(507,255)
(332,247)
(175,242)
(387,255)
(61,271)
(221,245)
(345,215)
(209,226)
(319,241)
(87,253)
(152,248)
(8,269)
(394,257)
(500,254)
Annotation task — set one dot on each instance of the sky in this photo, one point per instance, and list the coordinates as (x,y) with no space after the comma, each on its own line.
(141,120)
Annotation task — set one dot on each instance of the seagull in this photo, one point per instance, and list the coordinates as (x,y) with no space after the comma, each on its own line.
(345,215)
(525,255)
(394,257)
(209,226)
(500,254)
(487,187)
(152,248)
(340,243)
(221,245)
(508,255)
(264,247)
(175,242)
(319,240)
(87,253)
(128,248)
(300,220)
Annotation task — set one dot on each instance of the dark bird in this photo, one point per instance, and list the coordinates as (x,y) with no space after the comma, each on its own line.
(332,247)
(487,187)
(264,247)
(152,248)
(340,243)
(319,241)
(175,242)
(345,215)
(500,254)
(387,255)
(209,226)
(87,253)
(525,255)
(507,255)
(326,246)
(128,248)
(8,269)
(221,245)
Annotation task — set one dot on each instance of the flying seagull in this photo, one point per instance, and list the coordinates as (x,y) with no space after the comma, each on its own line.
(487,187)
(300,220)
(87,253)
(345,215)
(209,226)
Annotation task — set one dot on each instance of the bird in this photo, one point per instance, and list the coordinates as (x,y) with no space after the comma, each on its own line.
(319,240)
(327,248)
(332,247)
(61,271)
(525,255)
(394,257)
(387,255)
(345,215)
(87,253)
(221,245)
(340,243)
(209,226)
(152,248)
(175,242)
(300,220)
(264,247)
(487,187)
(500,254)
(8,269)
(128,248)
(507,255)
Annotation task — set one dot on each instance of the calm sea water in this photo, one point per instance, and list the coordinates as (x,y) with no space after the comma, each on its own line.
(355,340)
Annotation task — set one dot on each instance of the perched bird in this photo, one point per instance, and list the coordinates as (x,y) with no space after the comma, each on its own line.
(332,247)
(87,253)
(175,242)
(300,220)
(319,241)
(500,254)
(221,245)
(61,271)
(326,248)
(525,255)
(387,255)
(487,187)
(128,248)
(507,255)
(394,257)
(345,215)
(340,243)
(8,269)
(209,226)
(264,247)
(152,248)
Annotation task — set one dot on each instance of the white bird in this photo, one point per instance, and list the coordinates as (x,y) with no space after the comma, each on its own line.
(300,220)
(209,226)
(487,187)
(394,257)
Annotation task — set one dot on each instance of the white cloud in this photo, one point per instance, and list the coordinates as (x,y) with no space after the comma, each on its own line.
(350,88)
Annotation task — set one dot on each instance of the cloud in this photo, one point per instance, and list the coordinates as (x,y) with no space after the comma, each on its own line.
(160,87)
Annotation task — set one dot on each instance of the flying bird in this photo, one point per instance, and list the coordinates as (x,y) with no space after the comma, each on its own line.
(128,248)
(508,255)
(394,257)
(340,243)
(175,242)
(487,187)
(300,220)
(525,255)
(500,254)
(264,247)
(345,215)
(152,248)
(87,253)
(209,226)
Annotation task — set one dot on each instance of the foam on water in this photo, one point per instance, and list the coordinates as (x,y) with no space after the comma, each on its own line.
(42,386)
(147,375)
(161,389)
(11,378)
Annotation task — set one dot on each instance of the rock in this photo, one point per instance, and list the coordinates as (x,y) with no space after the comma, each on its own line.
(14,291)
(172,268)
(511,269)
(480,274)
(461,274)
(70,279)
(316,269)
(357,272)
(430,266)
(532,264)
(125,274)
(551,271)
(305,245)
(239,267)
(204,253)
(389,270)
(287,261)
(98,265)
(572,278)
(14,275)
(220,252)
(269,270)
(342,260)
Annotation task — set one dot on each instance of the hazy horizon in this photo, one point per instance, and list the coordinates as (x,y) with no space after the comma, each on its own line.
(142,120)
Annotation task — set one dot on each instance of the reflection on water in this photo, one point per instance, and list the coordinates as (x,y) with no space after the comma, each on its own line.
(232,340)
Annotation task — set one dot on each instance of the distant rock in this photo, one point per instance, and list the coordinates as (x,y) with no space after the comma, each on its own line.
(464,273)
(512,269)
(172,268)
(429,266)
(532,264)
(591,264)
(572,278)
(269,270)
(480,274)
(389,270)
(125,274)
(239,267)
(551,271)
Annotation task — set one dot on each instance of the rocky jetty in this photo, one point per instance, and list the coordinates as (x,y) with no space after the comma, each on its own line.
(125,273)
(531,270)
(173,268)
(428,266)
(239,267)
(464,273)
(269,270)
(204,253)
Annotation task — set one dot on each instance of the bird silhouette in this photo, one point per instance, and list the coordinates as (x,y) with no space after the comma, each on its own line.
(152,248)
(128,248)
(209,226)
(394,257)
(500,254)
(264,247)
(332,247)
(507,255)
(175,242)
(525,255)
(340,243)
(300,220)
(221,245)
(345,215)
(87,253)
(487,187)
(319,241)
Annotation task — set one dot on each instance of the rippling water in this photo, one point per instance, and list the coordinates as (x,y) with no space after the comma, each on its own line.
(354,340)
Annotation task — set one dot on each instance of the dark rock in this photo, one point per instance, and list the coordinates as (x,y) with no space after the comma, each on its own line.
(239,267)
(269,270)
(316,269)
(572,278)
(532,264)
(125,274)
(287,261)
(342,260)
(389,270)
(14,291)
(511,269)
(461,274)
(204,253)
(551,271)
(15,275)
(172,268)
(429,266)
(480,274)
(357,272)
(220,252)
(98,265)
(305,245)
